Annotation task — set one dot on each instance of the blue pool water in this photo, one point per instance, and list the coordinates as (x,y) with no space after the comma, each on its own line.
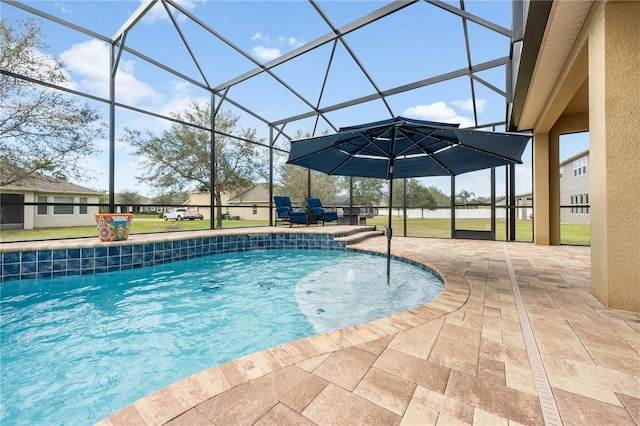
(76,349)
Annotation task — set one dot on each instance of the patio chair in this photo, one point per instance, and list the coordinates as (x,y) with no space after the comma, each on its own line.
(285,212)
(319,213)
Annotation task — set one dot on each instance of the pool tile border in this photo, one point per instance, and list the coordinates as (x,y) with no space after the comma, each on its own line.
(88,256)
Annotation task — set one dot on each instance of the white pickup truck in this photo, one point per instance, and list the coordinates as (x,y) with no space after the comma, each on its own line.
(182,214)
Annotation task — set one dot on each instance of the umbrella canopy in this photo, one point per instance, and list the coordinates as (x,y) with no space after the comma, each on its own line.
(416,148)
(405,148)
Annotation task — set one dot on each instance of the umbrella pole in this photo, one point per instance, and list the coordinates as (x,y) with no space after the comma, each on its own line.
(389,232)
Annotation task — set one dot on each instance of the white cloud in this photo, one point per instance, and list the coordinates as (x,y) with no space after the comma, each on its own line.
(158,12)
(269,48)
(63,8)
(260,37)
(90,62)
(467,104)
(438,111)
(265,53)
(294,42)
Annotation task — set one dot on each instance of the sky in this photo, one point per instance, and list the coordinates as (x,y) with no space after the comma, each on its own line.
(420,41)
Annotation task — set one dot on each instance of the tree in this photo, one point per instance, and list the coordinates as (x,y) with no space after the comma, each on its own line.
(179,158)
(294,181)
(464,196)
(127,199)
(43,131)
(366,191)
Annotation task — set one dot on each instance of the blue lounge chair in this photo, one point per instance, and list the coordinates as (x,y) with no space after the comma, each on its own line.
(285,212)
(319,213)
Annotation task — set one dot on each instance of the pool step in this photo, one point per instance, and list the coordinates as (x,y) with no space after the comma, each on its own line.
(359,236)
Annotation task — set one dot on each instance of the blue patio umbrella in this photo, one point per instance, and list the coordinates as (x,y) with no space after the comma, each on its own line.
(406,148)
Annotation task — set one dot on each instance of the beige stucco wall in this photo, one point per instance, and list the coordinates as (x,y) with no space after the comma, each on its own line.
(614,116)
(605,53)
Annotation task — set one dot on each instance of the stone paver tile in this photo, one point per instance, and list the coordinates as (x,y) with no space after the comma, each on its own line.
(231,373)
(579,410)
(446,420)
(491,370)
(514,339)
(456,354)
(417,341)
(128,416)
(503,401)
(495,323)
(282,355)
(482,418)
(562,345)
(291,385)
(283,415)
(153,408)
(631,337)
(243,405)
(376,346)
(612,380)
(257,364)
(616,359)
(419,415)
(346,367)
(312,363)
(492,335)
(192,417)
(176,397)
(461,333)
(453,408)
(340,407)
(593,392)
(416,370)
(386,390)
(520,379)
(505,353)
(593,334)
(204,385)
(632,405)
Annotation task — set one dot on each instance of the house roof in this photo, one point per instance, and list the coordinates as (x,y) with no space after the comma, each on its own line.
(258,193)
(552,29)
(574,157)
(42,183)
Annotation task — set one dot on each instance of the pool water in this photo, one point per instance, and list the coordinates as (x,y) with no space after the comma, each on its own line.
(76,349)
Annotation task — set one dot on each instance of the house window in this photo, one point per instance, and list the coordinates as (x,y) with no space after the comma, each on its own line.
(83,209)
(586,201)
(580,167)
(581,204)
(63,209)
(561,168)
(42,208)
(255,209)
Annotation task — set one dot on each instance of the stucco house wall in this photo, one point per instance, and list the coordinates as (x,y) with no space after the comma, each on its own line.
(574,189)
(48,190)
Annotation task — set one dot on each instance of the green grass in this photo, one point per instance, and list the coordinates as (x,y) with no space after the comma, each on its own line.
(573,234)
(141,224)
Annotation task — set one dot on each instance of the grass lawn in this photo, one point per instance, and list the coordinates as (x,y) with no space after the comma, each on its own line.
(573,234)
(436,228)
(141,224)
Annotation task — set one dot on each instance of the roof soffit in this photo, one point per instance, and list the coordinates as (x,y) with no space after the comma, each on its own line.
(565,21)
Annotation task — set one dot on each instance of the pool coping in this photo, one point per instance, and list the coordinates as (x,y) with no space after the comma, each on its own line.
(165,404)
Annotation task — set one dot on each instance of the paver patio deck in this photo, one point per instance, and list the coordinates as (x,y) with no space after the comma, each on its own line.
(461,359)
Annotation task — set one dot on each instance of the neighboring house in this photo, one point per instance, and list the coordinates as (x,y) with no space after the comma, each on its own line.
(341,203)
(574,189)
(252,204)
(144,205)
(14,214)
(198,198)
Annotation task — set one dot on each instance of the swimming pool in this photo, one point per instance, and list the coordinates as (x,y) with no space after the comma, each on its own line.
(76,349)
